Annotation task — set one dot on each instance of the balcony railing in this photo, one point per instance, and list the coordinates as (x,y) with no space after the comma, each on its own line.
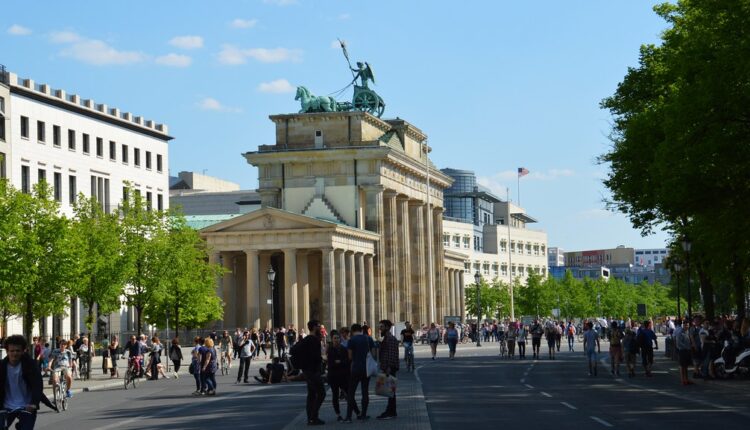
(3,75)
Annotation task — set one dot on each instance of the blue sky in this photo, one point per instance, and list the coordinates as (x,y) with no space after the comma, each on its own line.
(496,85)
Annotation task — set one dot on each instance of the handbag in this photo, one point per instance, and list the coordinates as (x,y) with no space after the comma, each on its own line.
(191,368)
(385,385)
(372,366)
(107,363)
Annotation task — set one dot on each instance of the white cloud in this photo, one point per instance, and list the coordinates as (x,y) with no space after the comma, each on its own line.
(18,30)
(212,104)
(187,42)
(280,2)
(243,23)
(344,17)
(278,86)
(99,53)
(64,37)
(174,60)
(233,55)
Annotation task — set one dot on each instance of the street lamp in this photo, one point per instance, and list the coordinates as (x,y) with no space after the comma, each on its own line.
(478,281)
(686,245)
(678,268)
(271,276)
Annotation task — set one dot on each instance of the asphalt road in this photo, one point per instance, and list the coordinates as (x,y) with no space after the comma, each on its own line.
(476,388)
(480,387)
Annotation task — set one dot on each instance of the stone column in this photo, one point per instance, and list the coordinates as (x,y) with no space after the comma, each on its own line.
(351,288)
(462,292)
(290,288)
(457,291)
(449,292)
(270,197)
(228,293)
(374,222)
(430,267)
(437,229)
(392,251)
(303,277)
(264,262)
(328,299)
(361,305)
(253,288)
(370,280)
(404,257)
(341,296)
(418,285)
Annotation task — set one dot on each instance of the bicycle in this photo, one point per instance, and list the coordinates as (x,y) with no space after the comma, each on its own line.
(503,347)
(60,390)
(409,356)
(12,414)
(133,372)
(83,367)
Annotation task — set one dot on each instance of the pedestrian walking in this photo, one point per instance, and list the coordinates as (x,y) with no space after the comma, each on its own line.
(208,368)
(571,335)
(629,349)
(512,334)
(591,346)
(195,364)
(536,338)
(247,350)
(521,337)
(550,333)
(682,342)
(113,348)
(359,346)
(280,341)
(451,339)
(291,336)
(388,363)
(338,371)
(175,354)
(646,339)
(433,336)
(615,348)
(307,357)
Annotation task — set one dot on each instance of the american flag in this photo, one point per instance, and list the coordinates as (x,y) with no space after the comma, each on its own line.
(522,171)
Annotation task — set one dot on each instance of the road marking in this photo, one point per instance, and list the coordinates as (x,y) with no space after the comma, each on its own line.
(568,405)
(546,394)
(601,421)
(528,386)
(416,373)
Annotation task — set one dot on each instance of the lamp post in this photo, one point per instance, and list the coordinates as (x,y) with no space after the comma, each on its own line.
(678,268)
(686,246)
(478,281)
(271,276)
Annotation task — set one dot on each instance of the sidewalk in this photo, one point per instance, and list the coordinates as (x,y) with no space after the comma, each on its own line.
(100,381)
(410,405)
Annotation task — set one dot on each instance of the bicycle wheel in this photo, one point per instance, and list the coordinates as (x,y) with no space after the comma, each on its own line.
(127,378)
(134,380)
(57,398)
(64,395)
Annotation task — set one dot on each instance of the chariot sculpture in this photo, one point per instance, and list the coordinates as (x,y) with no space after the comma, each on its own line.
(364,99)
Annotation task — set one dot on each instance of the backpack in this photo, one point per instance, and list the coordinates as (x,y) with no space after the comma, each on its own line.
(298,358)
(571,331)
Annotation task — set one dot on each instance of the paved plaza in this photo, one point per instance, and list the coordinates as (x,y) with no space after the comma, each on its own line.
(477,388)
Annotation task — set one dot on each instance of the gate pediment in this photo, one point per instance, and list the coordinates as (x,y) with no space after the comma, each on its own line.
(267,219)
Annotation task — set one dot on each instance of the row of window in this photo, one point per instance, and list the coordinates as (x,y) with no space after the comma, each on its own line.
(41,136)
(520,247)
(99,188)
(495,269)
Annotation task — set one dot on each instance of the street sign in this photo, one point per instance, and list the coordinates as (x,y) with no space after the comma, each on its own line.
(641,309)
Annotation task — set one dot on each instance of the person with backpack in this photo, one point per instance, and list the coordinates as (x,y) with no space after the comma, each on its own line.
(647,343)
(615,348)
(306,356)
(536,338)
(550,333)
(571,335)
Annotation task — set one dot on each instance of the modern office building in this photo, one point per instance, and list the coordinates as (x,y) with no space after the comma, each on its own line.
(493,233)
(650,257)
(600,257)
(78,146)
(555,257)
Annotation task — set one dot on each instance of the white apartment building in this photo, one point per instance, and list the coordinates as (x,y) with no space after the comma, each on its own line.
(509,252)
(555,257)
(650,257)
(78,146)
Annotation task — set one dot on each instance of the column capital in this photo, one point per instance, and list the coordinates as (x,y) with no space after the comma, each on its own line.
(372,188)
(289,250)
(250,251)
(390,194)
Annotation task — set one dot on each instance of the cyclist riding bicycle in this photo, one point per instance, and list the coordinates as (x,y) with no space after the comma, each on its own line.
(135,351)
(62,362)
(407,339)
(225,345)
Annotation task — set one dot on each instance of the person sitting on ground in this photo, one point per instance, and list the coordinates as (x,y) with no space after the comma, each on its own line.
(274,373)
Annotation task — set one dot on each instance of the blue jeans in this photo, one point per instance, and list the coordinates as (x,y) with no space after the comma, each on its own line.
(208,381)
(198,379)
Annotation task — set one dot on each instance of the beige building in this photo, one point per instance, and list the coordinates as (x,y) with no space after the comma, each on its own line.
(351,223)
(620,256)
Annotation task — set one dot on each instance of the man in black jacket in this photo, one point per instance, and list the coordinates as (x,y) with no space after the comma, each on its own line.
(20,384)
(310,348)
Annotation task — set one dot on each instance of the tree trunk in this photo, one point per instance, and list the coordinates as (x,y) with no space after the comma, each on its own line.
(90,317)
(28,317)
(738,282)
(138,310)
(707,288)
(176,320)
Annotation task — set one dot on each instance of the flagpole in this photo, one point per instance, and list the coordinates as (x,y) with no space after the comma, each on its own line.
(518,189)
(510,260)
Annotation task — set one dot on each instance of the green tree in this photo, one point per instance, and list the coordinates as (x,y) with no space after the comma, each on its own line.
(48,251)
(536,297)
(490,299)
(187,292)
(13,269)
(681,140)
(100,255)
